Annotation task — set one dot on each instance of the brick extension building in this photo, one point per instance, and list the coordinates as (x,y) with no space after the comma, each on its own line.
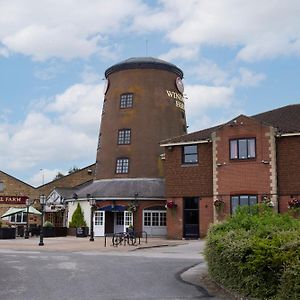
(241,162)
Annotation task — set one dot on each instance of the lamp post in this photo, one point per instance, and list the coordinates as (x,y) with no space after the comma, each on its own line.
(27,219)
(42,202)
(92,202)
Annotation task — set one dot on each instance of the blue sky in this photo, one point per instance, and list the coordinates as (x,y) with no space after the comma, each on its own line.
(237,57)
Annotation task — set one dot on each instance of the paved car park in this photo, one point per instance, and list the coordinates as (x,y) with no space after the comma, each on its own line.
(74,268)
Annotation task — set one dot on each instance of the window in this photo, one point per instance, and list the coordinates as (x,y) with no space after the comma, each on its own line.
(126,100)
(128,218)
(122,166)
(155,218)
(124,136)
(99,218)
(1,186)
(18,218)
(190,154)
(242,149)
(120,218)
(242,200)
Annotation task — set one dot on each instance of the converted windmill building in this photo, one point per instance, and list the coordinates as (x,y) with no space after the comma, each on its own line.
(143,104)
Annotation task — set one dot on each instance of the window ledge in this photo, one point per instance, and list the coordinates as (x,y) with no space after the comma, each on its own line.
(189,165)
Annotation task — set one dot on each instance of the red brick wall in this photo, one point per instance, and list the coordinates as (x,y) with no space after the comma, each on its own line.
(288,170)
(288,165)
(206,215)
(243,176)
(188,180)
(175,220)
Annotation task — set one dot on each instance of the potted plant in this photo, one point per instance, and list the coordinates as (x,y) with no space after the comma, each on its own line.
(294,207)
(78,222)
(7,232)
(219,204)
(48,229)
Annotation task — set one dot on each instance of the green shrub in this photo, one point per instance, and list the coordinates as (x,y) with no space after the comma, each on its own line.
(289,288)
(77,218)
(249,251)
(48,224)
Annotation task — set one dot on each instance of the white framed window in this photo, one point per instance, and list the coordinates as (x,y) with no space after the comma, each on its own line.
(99,218)
(128,218)
(126,100)
(19,218)
(155,218)
(124,136)
(122,166)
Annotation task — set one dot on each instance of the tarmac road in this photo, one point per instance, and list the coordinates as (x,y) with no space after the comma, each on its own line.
(153,273)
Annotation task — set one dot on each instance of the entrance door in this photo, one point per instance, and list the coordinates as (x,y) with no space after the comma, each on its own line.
(128,219)
(191,217)
(99,221)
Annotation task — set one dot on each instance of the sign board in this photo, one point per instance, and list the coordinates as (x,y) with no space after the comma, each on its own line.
(13,199)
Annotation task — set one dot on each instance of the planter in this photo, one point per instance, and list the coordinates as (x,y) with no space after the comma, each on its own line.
(49,231)
(7,233)
(60,231)
(82,231)
(71,231)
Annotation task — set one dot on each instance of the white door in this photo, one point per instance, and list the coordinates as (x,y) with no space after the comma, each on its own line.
(128,219)
(99,223)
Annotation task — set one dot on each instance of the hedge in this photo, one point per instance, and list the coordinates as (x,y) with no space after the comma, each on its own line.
(256,253)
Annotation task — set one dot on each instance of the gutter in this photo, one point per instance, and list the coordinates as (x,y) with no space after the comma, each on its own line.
(186,143)
(289,134)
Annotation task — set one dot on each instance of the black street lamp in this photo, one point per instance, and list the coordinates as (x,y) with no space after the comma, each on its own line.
(27,219)
(42,202)
(92,202)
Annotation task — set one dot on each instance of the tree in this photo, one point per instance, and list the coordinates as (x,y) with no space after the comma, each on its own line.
(73,170)
(59,175)
(77,218)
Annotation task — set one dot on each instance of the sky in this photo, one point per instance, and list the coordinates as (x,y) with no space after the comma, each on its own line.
(238,57)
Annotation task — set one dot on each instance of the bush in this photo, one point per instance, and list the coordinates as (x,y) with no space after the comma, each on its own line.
(77,218)
(250,252)
(48,224)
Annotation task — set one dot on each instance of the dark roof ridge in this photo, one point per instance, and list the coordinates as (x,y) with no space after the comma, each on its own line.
(285,119)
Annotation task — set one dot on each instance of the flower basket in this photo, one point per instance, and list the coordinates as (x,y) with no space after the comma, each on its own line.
(171,204)
(219,204)
(294,203)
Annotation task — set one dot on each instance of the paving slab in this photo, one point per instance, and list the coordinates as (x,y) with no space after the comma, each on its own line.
(74,244)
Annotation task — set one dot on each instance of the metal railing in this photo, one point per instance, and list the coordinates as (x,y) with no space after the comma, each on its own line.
(126,238)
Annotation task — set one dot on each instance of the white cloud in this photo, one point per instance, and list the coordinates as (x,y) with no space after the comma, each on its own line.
(74,28)
(247,78)
(187,53)
(64,130)
(4,52)
(63,28)
(202,98)
(43,176)
(256,29)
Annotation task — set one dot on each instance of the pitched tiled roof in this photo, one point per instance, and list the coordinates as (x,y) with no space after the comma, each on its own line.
(286,119)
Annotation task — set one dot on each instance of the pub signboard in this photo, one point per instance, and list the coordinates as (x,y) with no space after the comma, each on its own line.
(13,199)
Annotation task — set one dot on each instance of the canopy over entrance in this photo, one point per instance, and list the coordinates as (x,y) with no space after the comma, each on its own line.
(114,208)
(14,210)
